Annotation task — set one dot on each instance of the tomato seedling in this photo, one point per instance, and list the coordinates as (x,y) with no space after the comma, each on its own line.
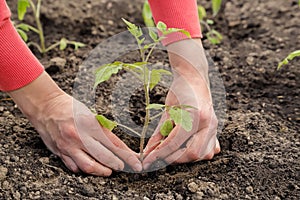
(178,114)
(23,28)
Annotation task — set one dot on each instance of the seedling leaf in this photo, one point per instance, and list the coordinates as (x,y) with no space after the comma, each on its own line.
(153,35)
(290,57)
(147,15)
(201,12)
(22,8)
(155,106)
(23,26)
(133,29)
(104,72)
(216,5)
(156,76)
(109,124)
(22,34)
(214,36)
(161,26)
(77,45)
(181,117)
(63,44)
(166,128)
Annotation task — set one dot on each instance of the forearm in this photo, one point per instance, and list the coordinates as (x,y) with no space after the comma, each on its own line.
(32,99)
(181,14)
(18,66)
(187,58)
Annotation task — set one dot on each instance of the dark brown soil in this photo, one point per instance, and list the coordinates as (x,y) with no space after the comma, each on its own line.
(260,139)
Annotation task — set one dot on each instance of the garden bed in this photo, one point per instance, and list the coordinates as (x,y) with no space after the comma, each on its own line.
(260,139)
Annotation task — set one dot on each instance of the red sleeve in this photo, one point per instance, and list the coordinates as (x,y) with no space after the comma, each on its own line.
(18,66)
(181,14)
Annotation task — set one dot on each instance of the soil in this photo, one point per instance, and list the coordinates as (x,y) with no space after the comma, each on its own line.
(260,137)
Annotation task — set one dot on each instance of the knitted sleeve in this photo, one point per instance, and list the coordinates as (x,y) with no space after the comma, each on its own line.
(181,14)
(18,66)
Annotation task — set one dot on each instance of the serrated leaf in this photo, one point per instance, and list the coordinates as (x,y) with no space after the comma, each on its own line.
(104,72)
(133,29)
(153,35)
(22,8)
(181,117)
(156,76)
(147,15)
(161,26)
(63,44)
(103,121)
(216,5)
(155,106)
(166,128)
(23,35)
(201,12)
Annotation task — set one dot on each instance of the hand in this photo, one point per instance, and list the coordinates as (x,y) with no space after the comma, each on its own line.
(71,131)
(190,87)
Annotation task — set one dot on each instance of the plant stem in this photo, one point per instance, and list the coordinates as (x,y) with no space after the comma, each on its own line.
(150,52)
(130,129)
(52,46)
(36,12)
(147,117)
(157,115)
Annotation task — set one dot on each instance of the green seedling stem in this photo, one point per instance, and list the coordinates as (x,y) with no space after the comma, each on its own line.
(149,78)
(36,9)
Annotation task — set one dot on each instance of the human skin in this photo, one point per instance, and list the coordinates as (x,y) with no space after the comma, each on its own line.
(190,87)
(78,139)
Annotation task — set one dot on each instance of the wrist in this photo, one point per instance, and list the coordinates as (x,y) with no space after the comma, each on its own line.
(33,98)
(187,58)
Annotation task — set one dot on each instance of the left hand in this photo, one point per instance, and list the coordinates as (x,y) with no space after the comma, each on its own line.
(190,87)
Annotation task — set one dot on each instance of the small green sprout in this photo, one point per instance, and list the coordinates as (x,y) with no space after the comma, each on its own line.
(216,5)
(149,78)
(213,36)
(147,15)
(23,28)
(290,57)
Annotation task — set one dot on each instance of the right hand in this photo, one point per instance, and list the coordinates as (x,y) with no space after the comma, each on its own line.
(77,138)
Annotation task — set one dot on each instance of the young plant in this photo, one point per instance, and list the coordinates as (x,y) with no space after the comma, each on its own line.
(23,28)
(290,57)
(213,36)
(149,79)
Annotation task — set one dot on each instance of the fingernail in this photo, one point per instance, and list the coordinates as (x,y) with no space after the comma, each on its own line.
(146,166)
(138,167)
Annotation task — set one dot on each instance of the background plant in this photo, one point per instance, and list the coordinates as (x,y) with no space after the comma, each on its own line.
(22,28)
(291,56)
(149,78)
(212,35)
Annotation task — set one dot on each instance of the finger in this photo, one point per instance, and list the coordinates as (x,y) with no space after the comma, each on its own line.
(102,154)
(201,146)
(89,165)
(171,144)
(156,138)
(103,137)
(218,147)
(123,151)
(70,164)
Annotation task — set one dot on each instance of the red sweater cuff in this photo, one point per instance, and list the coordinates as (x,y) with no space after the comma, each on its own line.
(181,14)
(18,66)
